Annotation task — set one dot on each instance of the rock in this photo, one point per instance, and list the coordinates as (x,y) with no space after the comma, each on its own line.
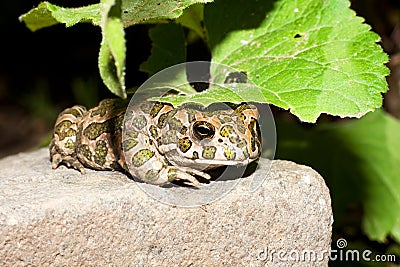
(60,217)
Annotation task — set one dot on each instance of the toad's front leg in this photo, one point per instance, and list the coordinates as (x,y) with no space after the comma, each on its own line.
(144,161)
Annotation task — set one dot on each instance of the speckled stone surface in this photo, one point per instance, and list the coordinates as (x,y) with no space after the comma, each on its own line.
(63,218)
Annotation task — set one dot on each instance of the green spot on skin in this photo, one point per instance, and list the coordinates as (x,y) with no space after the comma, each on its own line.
(241,143)
(129,144)
(95,129)
(183,130)
(239,110)
(172,174)
(151,175)
(169,137)
(253,144)
(141,157)
(246,152)
(133,134)
(153,131)
(229,153)
(175,124)
(195,155)
(161,120)
(156,109)
(70,144)
(62,128)
(71,132)
(209,152)
(226,130)
(100,152)
(85,151)
(139,122)
(184,144)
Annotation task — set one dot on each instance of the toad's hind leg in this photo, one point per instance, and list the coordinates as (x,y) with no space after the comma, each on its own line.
(64,142)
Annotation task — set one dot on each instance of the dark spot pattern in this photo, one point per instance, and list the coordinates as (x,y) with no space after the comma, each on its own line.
(183,130)
(170,137)
(255,133)
(63,129)
(229,131)
(153,131)
(85,151)
(95,129)
(100,152)
(229,153)
(152,175)
(184,144)
(162,120)
(129,144)
(175,124)
(141,157)
(156,109)
(209,152)
(139,122)
(172,174)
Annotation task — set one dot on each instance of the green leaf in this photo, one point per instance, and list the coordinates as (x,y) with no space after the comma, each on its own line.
(309,56)
(112,50)
(47,14)
(168,48)
(135,12)
(193,19)
(316,56)
(360,161)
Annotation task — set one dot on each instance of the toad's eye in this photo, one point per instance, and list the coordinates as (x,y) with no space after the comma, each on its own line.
(203,130)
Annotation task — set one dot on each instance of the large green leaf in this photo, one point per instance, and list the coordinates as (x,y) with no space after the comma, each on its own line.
(360,161)
(317,56)
(309,56)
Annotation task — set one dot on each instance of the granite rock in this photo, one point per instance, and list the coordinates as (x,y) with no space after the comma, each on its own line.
(280,215)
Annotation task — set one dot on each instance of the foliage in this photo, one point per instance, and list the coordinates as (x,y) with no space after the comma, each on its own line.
(361,162)
(311,57)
